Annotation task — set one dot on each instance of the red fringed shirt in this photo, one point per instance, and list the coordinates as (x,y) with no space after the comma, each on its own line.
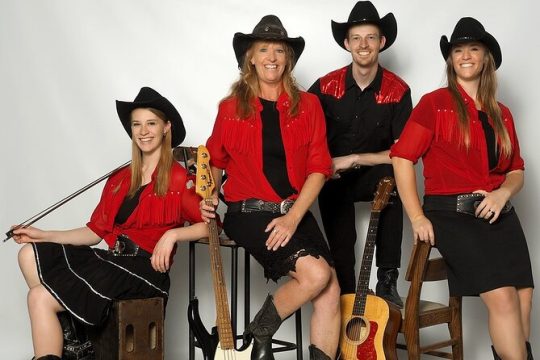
(236,146)
(432,133)
(153,216)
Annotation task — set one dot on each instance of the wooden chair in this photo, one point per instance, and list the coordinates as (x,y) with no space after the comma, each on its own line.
(418,313)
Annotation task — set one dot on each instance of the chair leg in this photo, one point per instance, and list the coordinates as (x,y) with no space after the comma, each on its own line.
(455,328)
(412,339)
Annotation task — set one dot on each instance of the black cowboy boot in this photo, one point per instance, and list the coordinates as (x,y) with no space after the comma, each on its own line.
(495,356)
(316,354)
(529,351)
(261,329)
(387,285)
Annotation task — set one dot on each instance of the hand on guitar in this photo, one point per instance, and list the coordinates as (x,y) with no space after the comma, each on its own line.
(209,212)
(422,229)
(281,230)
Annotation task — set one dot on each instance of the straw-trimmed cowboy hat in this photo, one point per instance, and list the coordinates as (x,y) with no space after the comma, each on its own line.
(364,12)
(269,28)
(469,29)
(150,98)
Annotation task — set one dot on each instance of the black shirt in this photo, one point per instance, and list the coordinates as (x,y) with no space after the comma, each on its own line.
(128,206)
(356,123)
(274,164)
(493,155)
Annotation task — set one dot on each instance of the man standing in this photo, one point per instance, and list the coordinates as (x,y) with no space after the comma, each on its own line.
(366,107)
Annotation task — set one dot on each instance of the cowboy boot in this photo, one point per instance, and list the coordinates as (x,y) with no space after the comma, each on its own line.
(529,351)
(495,356)
(261,329)
(48,357)
(387,285)
(316,354)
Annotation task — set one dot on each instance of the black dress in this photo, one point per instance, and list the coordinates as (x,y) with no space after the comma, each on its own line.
(480,256)
(247,229)
(86,280)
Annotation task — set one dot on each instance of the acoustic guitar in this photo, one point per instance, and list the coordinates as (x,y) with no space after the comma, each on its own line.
(226,346)
(369,325)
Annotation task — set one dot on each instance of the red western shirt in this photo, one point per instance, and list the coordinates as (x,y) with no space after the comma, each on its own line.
(449,168)
(153,215)
(236,146)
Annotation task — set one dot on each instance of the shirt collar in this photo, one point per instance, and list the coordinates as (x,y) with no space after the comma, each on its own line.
(375,85)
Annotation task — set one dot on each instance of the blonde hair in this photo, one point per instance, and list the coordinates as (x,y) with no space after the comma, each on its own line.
(247,86)
(487,90)
(163,167)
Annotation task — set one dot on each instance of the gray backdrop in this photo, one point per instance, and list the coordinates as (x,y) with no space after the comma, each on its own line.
(63,63)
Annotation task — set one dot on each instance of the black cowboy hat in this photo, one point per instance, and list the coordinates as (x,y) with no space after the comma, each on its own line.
(150,98)
(469,29)
(365,13)
(269,28)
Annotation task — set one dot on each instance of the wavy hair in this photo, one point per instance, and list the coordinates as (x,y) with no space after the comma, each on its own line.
(247,86)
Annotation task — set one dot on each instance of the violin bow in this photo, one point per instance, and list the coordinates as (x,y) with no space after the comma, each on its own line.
(53,207)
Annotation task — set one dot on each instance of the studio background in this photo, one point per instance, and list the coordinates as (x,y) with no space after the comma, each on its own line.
(63,63)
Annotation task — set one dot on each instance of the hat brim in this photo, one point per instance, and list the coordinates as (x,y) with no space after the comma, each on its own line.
(387,24)
(242,43)
(178,131)
(488,40)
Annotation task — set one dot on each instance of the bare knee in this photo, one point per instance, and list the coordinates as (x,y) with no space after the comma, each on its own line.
(26,257)
(39,299)
(502,301)
(313,274)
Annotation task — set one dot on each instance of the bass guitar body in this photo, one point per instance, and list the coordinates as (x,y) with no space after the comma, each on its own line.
(362,339)
(228,354)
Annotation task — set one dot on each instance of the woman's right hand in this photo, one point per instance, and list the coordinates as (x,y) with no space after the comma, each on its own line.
(209,211)
(27,234)
(423,230)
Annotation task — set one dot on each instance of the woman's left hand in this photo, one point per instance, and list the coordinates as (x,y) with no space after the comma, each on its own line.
(161,258)
(492,204)
(281,230)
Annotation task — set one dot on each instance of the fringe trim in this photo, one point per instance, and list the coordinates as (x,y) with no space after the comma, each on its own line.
(447,130)
(298,128)
(239,135)
(161,211)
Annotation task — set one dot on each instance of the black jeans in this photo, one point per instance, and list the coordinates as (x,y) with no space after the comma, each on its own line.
(336,203)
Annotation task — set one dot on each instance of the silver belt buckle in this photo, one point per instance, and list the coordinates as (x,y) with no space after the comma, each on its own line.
(285,206)
(119,247)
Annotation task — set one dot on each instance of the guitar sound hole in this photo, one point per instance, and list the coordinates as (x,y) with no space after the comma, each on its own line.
(357,330)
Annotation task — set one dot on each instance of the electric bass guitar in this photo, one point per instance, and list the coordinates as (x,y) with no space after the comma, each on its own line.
(225,348)
(369,325)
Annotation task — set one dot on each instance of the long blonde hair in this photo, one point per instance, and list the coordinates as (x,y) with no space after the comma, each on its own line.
(487,90)
(247,86)
(163,167)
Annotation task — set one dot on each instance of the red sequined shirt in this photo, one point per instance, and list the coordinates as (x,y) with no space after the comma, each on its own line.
(449,168)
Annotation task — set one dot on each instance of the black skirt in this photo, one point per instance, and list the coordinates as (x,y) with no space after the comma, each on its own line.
(86,280)
(247,230)
(481,256)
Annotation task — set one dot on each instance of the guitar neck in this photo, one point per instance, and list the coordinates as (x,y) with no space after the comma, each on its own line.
(362,288)
(223,322)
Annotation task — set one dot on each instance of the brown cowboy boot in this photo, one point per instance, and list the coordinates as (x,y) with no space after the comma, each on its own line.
(262,328)
(316,354)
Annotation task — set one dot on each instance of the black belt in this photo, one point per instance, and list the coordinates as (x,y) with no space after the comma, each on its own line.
(124,246)
(464,203)
(253,205)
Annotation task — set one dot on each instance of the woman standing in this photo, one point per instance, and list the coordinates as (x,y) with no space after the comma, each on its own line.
(140,216)
(269,137)
(472,167)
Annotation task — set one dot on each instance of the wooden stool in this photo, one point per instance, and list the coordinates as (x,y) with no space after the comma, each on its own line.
(134,331)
